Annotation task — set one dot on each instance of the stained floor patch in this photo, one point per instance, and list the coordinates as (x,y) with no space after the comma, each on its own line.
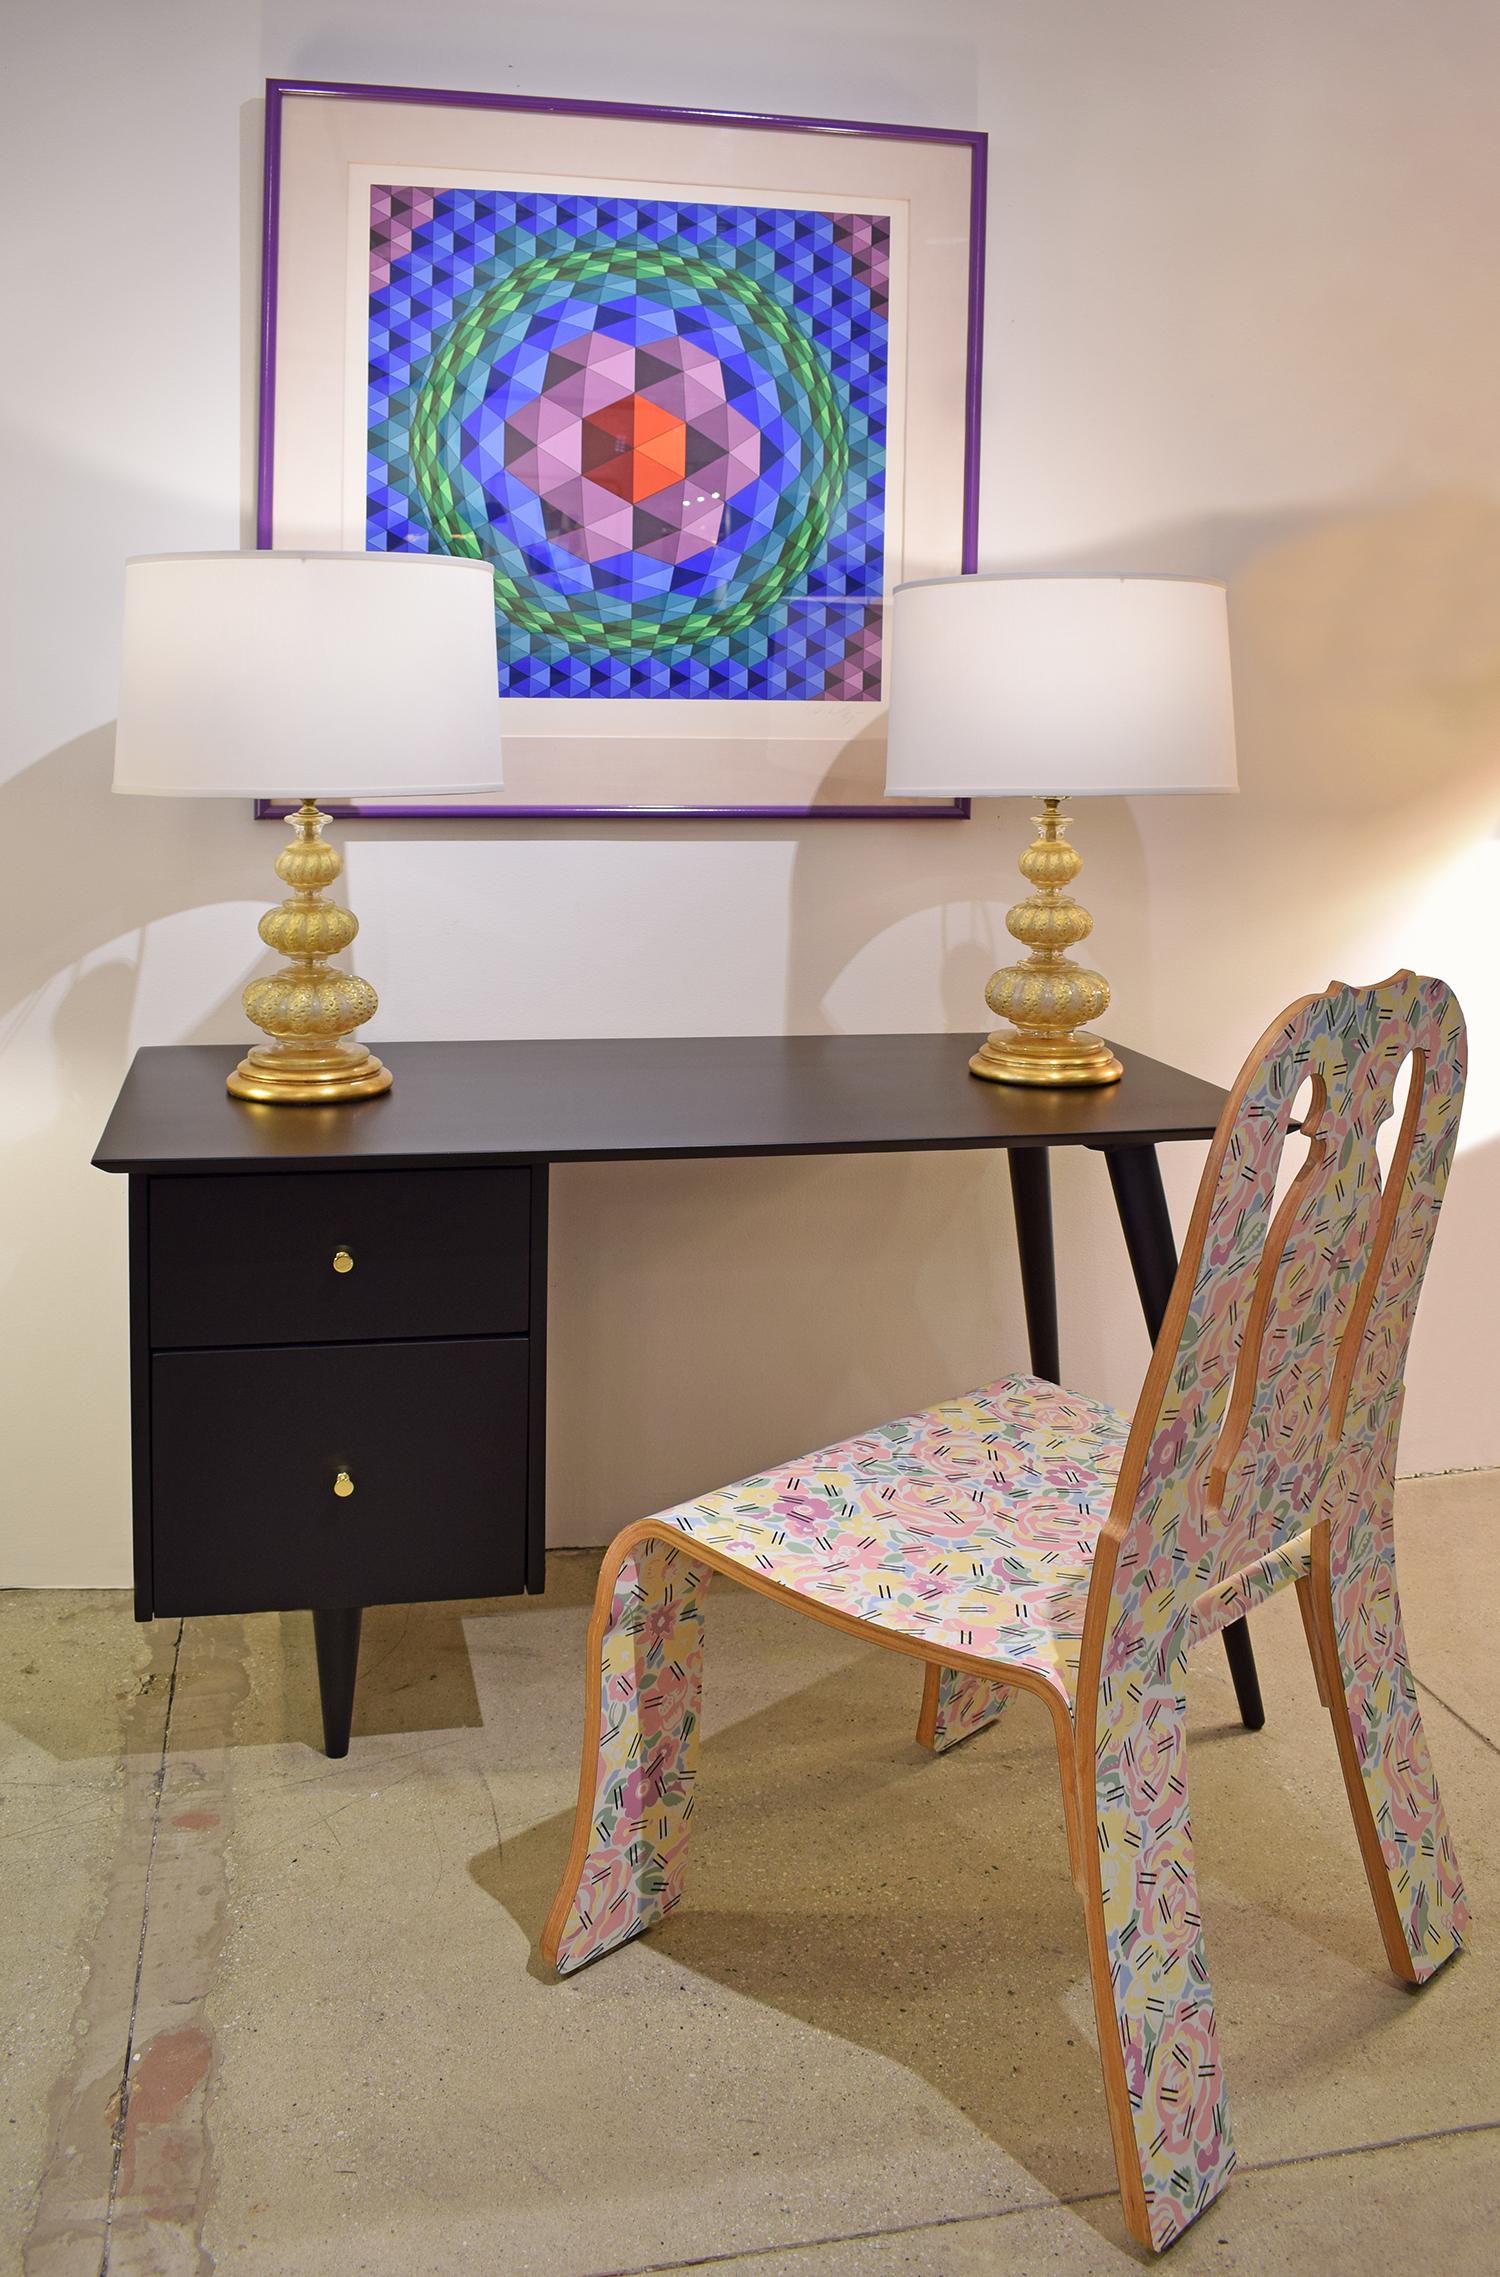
(128,2175)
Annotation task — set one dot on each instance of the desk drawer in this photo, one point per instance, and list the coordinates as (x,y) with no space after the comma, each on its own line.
(252,1260)
(247,1447)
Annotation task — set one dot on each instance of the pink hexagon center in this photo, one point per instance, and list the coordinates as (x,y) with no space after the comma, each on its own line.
(630,448)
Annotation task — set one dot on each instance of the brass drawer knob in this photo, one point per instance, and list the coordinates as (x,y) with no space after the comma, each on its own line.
(343,1486)
(343,1261)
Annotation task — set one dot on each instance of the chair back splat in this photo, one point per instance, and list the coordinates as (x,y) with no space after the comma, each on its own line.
(1263,1450)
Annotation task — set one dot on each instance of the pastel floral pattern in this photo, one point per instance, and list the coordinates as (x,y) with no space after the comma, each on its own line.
(651,1685)
(1250,1467)
(971,1526)
(956,1705)
(968,1526)
(1025,1537)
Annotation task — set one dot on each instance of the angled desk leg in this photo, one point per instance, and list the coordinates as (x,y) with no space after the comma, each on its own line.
(1135,1175)
(1031,1198)
(336,1636)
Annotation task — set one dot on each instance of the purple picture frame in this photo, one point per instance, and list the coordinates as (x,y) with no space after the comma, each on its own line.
(281,91)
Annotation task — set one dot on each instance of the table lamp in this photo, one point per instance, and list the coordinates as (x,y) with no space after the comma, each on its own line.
(1090,685)
(268,675)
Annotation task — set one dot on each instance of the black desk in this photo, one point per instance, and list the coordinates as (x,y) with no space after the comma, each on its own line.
(338,1314)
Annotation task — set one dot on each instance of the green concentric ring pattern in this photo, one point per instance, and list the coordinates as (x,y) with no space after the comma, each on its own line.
(494,320)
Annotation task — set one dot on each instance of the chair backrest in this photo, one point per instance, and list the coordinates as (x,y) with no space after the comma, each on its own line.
(1274,1393)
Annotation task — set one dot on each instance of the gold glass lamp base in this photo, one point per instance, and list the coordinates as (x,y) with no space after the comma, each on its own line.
(1048,998)
(308,1009)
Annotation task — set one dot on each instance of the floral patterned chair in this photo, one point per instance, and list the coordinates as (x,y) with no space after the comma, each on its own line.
(1023,1539)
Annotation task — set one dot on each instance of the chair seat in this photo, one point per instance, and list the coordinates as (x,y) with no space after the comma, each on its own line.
(970,1527)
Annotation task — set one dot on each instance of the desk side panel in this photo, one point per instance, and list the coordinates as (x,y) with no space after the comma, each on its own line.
(140,1392)
(536,1414)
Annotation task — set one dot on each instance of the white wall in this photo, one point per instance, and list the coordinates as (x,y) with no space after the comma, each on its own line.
(1245,321)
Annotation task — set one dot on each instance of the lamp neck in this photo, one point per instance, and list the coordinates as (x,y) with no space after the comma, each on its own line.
(1050,864)
(307,863)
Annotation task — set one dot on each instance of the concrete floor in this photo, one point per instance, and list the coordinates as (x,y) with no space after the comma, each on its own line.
(865,2044)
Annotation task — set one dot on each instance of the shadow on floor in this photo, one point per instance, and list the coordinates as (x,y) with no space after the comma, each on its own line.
(416,1674)
(846,1878)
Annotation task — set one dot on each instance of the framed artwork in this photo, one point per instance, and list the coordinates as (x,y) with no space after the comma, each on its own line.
(700,386)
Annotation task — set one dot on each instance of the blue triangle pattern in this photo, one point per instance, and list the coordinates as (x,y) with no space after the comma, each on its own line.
(748,610)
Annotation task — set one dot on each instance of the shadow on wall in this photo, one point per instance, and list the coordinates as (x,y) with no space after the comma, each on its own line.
(1367,698)
(1449,1400)
(80,868)
(915,919)
(82,876)
(1368,711)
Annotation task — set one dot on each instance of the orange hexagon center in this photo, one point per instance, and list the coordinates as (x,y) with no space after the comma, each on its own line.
(634,448)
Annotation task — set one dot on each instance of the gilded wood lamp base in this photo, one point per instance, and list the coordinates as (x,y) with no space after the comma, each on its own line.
(1049,997)
(295,1076)
(308,1009)
(1078,1058)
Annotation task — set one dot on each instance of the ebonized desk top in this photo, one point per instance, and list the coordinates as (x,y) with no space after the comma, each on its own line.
(637,1097)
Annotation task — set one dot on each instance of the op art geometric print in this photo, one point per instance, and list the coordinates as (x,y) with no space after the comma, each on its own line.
(663,425)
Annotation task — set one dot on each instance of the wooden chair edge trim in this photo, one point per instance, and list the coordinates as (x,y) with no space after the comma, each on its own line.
(928,1714)
(1314,1636)
(1319,1613)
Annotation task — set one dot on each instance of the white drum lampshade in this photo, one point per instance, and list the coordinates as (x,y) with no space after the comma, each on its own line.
(1061,687)
(294,675)
(280,675)
(1082,685)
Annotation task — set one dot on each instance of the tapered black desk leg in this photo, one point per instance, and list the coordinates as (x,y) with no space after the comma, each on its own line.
(336,1635)
(1031,1197)
(1135,1175)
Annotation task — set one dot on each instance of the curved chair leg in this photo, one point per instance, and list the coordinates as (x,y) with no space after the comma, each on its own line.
(640,1752)
(955,1706)
(1158,2036)
(1307,1605)
(1393,1795)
